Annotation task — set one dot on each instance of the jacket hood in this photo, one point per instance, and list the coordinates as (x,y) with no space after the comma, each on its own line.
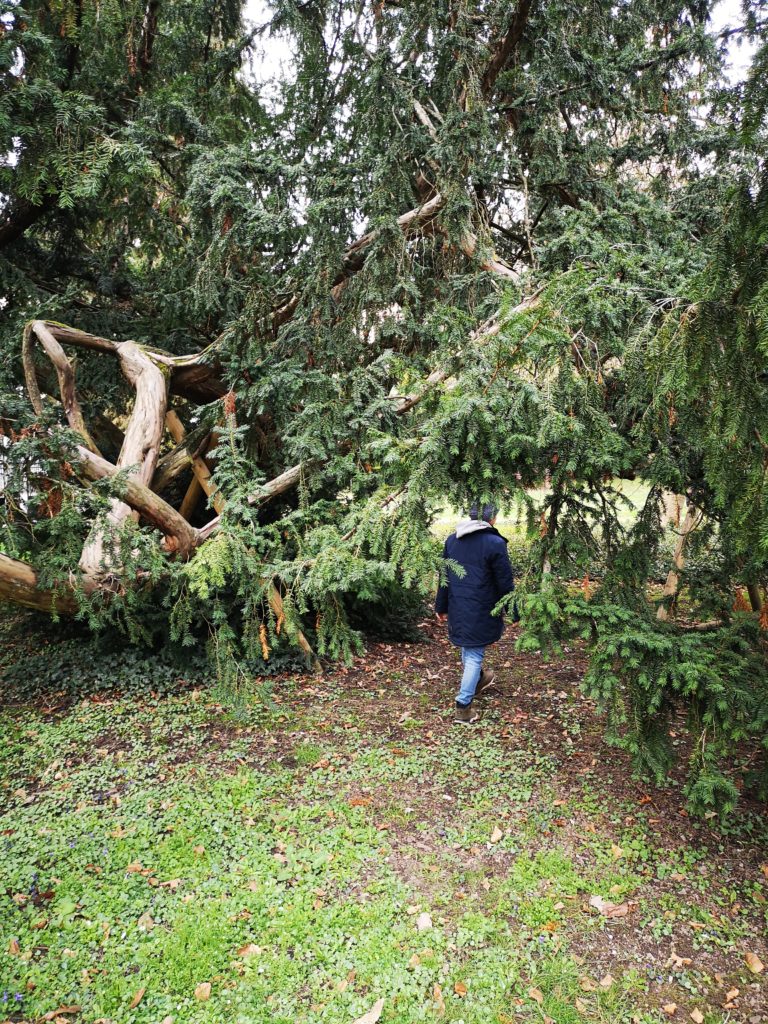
(471,526)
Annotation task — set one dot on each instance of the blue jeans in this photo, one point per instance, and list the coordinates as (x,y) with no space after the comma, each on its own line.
(472,660)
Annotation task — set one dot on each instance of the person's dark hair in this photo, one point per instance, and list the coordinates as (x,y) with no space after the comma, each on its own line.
(489,511)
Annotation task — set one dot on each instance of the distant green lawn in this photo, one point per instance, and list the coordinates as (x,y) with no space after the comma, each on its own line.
(635,491)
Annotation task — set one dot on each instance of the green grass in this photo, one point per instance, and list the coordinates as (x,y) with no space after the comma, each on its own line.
(150,848)
(635,492)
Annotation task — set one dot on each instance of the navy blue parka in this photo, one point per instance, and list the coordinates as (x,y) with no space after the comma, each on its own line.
(482,551)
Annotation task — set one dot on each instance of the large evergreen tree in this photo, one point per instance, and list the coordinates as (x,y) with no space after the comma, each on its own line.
(453,251)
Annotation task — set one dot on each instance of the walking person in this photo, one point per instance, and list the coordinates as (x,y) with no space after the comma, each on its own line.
(466,602)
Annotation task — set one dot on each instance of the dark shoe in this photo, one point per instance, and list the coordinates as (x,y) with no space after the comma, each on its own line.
(466,715)
(486,682)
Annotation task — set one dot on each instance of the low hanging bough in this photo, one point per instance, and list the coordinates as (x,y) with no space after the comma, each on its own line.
(139,476)
(142,478)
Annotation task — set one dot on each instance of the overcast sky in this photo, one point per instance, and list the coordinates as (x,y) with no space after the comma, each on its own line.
(727,14)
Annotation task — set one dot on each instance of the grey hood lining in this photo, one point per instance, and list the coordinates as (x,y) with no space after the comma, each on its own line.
(471,526)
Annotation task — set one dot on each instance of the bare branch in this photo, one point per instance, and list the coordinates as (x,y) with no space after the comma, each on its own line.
(506,46)
(202,475)
(64,373)
(144,501)
(141,445)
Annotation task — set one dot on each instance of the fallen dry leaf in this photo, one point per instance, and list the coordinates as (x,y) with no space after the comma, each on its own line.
(608,909)
(536,995)
(139,995)
(372,1015)
(616,851)
(587,985)
(607,981)
(731,994)
(415,960)
(60,1011)
(580,1005)
(754,963)
(460,989)
(146,922)
(13,947)
(497,835)
(437,995)
(423,921)
(250,949)
(678,961)
(203,991)
(670,1009)
(697,1016)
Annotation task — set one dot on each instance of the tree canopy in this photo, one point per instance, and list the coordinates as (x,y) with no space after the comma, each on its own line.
(262,319)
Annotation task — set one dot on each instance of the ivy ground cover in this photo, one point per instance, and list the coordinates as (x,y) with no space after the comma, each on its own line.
(339,851)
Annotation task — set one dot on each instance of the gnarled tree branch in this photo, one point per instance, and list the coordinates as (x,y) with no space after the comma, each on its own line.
(141,445)
(19,585)
(64,372)
(137,496)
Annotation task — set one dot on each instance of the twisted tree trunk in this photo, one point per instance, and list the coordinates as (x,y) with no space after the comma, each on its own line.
(669,594)
(180,536)
(19,584)
(141,448)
